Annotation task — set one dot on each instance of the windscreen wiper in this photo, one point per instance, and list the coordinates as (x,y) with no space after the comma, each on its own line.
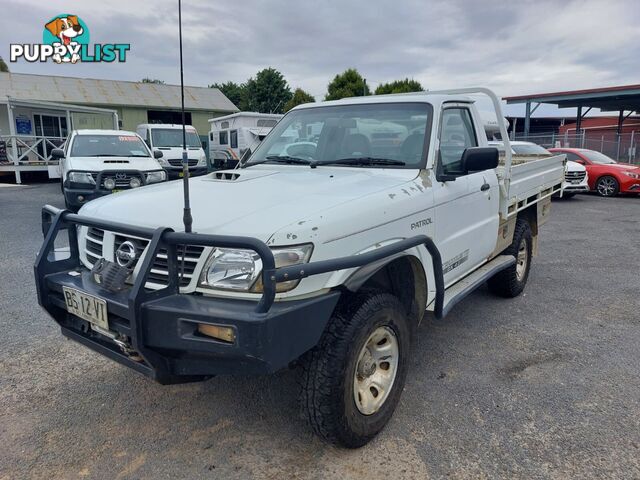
(360,161)
(281,159)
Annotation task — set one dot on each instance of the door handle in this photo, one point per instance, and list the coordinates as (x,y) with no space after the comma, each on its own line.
(485,187)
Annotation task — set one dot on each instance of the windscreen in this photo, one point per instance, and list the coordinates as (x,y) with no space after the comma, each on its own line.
(393,131)
(108,146)
(597,157)
(172,137)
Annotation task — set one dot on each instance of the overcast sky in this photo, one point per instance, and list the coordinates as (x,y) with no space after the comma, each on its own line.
(514,47)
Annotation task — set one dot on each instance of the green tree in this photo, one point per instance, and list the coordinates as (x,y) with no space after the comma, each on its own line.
(299,97)
(347,84)
(3,66)
(399,86)
(268,92)
(236,92)
(153,80)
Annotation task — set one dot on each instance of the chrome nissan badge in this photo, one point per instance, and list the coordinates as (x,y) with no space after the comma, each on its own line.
(126,254)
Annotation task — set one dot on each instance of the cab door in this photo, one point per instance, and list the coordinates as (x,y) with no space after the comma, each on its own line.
(466,204)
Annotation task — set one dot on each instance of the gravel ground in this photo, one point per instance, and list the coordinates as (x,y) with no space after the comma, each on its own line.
(543,386)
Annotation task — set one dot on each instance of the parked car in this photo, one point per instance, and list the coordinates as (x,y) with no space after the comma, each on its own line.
(575,174)
(99,162)
(167,138)
(606,176)
(328,260)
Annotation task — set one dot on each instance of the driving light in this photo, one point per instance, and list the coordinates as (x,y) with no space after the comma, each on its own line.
(135,182)
(81,177)
(155,177)
(109,183)
(632,174)
(225,334)
(203,160)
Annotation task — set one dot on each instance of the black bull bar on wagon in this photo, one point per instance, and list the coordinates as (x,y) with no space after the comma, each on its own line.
(269,331)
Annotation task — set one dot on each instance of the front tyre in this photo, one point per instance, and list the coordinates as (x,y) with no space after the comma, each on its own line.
(511,281)
(607,186)
(352,380)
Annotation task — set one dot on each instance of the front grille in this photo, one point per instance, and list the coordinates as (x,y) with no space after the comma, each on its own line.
(177,162)
(93,244)
(122,179)
(159,274)
(575,176)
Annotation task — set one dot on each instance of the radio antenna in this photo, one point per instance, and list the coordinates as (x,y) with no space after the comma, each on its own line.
(187,219)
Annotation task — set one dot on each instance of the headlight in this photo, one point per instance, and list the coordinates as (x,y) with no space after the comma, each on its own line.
(203,160)
(632,174)
(155,177)
(239,270)
(81,177)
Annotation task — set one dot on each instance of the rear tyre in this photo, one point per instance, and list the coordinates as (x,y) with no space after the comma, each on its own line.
(352,380)
(607,186)
(511,281)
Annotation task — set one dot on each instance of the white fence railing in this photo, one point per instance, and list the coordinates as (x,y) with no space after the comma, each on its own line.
(28,149)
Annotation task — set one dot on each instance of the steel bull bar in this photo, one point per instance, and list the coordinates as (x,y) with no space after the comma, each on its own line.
(265,345)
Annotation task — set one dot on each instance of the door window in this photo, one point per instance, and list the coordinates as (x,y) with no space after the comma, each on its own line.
(456,135)
(233,138)
(223,138)
(573,157)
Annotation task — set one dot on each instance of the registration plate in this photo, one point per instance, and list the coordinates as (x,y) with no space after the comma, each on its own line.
(89,308)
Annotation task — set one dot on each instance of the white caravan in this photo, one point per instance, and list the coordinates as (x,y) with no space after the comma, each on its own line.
(233,135)
(167,138)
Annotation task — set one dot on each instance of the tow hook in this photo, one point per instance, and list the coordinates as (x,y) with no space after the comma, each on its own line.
(122,341)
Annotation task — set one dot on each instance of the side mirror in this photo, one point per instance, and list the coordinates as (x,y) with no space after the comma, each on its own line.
(157,154)
(57,153)
(477,159)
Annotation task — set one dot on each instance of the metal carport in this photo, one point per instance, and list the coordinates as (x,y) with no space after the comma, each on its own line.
(621,99)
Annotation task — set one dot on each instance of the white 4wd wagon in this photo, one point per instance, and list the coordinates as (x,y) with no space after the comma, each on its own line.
(326,253)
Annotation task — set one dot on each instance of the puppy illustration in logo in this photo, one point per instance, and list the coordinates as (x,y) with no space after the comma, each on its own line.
(66,29)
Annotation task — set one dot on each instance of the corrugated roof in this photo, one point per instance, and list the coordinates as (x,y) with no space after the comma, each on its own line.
(90,91)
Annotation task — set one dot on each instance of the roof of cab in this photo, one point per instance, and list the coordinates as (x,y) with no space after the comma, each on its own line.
(90,131)
(426,97)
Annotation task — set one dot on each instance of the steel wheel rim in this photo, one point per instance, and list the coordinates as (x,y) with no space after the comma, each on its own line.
(376,370)
(521,260)
(606,186)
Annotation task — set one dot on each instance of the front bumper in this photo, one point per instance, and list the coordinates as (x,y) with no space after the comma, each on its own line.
(76,197)
(176,172)
(166,337)
(155,331)
(575,187)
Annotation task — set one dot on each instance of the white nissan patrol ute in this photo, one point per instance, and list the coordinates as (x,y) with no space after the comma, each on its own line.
(326,257)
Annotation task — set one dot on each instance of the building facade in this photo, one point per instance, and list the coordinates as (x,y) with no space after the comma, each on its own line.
(38,111)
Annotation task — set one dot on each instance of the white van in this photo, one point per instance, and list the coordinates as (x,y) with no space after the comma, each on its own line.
(232,135)
(167,138)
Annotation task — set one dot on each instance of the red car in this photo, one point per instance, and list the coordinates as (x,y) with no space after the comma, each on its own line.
(606,176)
